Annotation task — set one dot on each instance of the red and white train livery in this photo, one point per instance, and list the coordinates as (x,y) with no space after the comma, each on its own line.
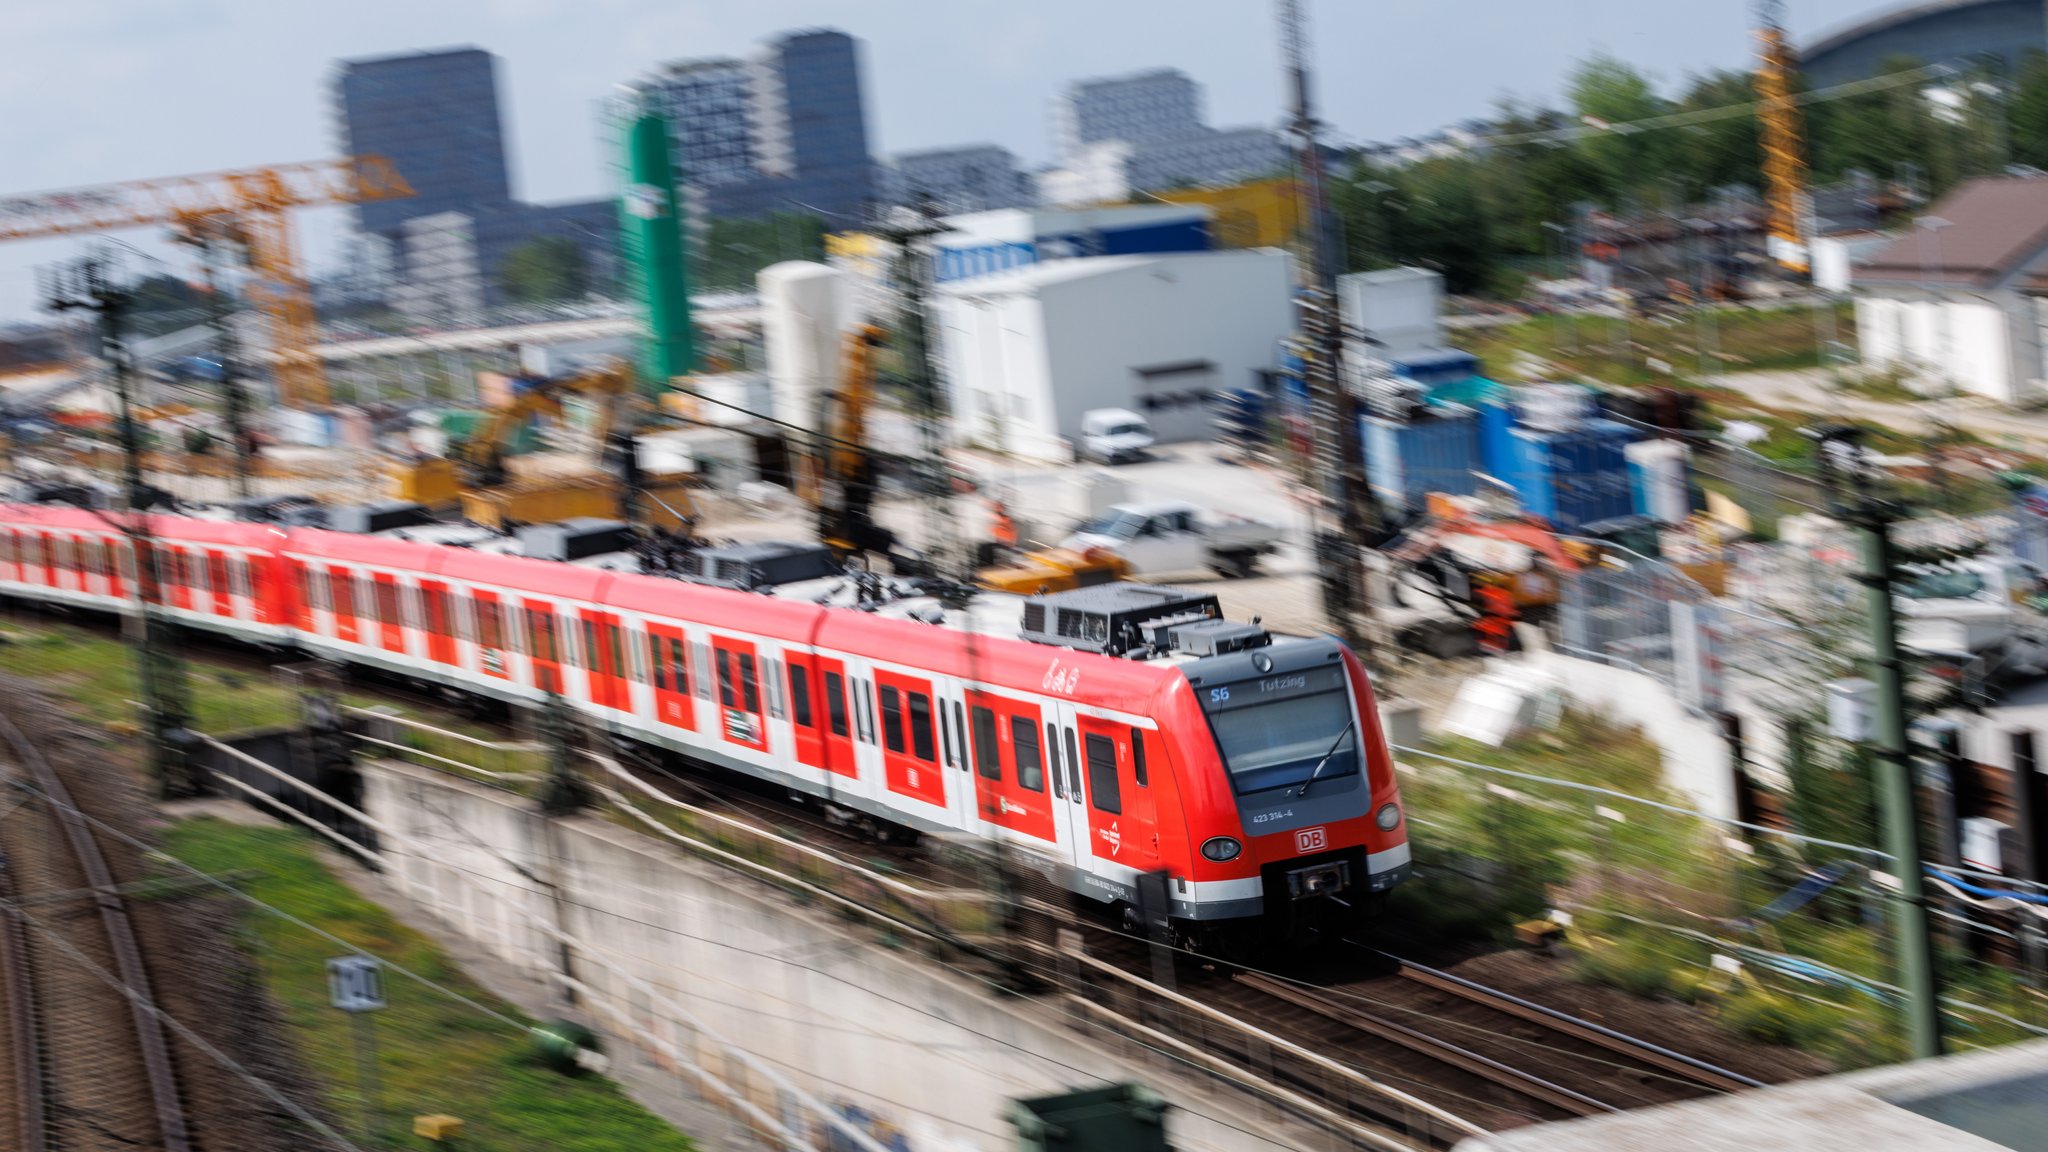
(1257,779)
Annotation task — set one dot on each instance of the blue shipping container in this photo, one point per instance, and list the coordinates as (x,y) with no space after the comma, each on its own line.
(1406,461)
(1573,478)
(1496,441)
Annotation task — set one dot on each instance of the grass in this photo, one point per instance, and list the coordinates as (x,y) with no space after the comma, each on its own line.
(1586,347)
(434,1053)
(1493,850)
(95,675)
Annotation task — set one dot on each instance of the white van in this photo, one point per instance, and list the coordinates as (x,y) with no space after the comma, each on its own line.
(1115,435)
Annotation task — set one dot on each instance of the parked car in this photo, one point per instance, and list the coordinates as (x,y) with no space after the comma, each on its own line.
(1115,435)
(1158,538)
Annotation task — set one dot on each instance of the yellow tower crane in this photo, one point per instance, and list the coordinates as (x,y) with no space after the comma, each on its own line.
(1784,139)
(247,208)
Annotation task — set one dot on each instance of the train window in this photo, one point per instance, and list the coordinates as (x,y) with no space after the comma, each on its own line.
(704,661)
(678,666)
(654,647)
(1024,747)
(771,680)
(864,710)
(1138,756)
(835,703)
(921,745)
(238,576)
(750,688)
(488,628)
(437,611)
(892,719)
(367,602)
(217,574)
(540,634)
(1073,766)
(462,615)
(1103,787)
(800,694)
(387,603)
(611,637)
(988,755)
(590,652)
(946,735)
(725,695)
(1052,757)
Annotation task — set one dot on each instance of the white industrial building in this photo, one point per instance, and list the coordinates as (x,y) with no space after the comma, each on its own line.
(1961,300)
(1027,352)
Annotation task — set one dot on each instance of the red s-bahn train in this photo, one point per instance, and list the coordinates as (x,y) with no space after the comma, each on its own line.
(1109,732)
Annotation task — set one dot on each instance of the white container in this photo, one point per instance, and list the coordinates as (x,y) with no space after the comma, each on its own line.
(804,310)
(733,399)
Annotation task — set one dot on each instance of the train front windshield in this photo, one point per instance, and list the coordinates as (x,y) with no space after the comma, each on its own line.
(1274,731)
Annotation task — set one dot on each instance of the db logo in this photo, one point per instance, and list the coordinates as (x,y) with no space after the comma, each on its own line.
(1310,840)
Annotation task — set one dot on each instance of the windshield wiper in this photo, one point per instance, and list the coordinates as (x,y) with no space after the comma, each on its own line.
(1318,770)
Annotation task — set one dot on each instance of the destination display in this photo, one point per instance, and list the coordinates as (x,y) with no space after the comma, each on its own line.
(1269,688)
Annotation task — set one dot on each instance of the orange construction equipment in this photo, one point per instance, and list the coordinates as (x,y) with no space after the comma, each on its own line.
(1784,143)
(244,208)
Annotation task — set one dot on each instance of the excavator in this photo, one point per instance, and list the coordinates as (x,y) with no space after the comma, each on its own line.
(473,473)
(839,483)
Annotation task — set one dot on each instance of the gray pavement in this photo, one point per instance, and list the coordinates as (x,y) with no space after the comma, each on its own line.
(1811,390)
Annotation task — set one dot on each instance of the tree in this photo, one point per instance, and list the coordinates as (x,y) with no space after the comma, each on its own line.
(543,269)
(734,248)
(1720,152)
(2029,115)
(1609,96)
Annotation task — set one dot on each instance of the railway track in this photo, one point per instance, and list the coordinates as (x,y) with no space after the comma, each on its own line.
(1485,1057)
(92,1065)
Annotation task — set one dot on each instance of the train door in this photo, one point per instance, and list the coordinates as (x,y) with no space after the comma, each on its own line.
(341,587)
(835,718)
(1011,784)
(604,656)
(668,666)
(543,645)
(494,634)
(806,714)
(390,612)
(910,738)
(438,620)
(223,602)
(738,673)
(1122,825)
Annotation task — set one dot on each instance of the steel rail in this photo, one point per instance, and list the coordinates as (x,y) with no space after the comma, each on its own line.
(1678,1063)
(24,1022)
(120,930)
(1506,1075)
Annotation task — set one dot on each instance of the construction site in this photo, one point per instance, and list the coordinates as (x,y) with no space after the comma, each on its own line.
(1144,653)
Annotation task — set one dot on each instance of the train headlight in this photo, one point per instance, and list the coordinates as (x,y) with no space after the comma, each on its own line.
(1388,817)
(1221,848)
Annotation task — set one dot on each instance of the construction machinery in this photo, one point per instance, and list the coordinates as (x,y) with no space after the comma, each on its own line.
(839,481)
(474,474)
(247,207)
(1784,144)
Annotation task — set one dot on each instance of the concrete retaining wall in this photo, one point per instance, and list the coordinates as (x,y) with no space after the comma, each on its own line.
(932,1054)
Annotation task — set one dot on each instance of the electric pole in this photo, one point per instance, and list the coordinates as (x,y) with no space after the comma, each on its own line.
(911,232)
(1898,813)
(92,283)
(1346,516)
(210,237)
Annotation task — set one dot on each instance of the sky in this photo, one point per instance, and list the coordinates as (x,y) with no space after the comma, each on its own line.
(109,90)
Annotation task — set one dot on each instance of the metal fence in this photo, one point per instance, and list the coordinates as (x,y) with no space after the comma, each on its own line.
(1635,613)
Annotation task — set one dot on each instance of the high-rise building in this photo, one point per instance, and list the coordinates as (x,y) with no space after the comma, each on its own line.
(1144,133)
(1162,104)
(975,178)
(783,132)
(710,107)
(434,115)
